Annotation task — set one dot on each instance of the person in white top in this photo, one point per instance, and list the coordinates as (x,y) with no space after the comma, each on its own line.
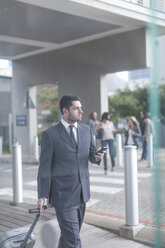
(107,138)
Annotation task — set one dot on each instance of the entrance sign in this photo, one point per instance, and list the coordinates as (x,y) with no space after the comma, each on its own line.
(21,120)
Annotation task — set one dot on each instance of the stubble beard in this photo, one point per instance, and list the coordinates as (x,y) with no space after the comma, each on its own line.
(72,119)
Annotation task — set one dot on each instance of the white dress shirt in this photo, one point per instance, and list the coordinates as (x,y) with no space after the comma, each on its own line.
(66,125)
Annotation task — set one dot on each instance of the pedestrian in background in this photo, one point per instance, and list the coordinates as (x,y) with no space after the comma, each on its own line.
(63,174)
(108,129)
(143,115)
(132,132)
(93,122)
(147,129)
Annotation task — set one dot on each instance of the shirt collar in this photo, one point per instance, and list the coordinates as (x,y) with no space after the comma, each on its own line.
(66,124)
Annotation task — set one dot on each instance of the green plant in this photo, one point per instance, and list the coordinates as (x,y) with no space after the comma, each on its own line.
(49,100)
(6,148)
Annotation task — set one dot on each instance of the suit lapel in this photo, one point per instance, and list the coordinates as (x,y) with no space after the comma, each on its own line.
(64,135)
(80,135)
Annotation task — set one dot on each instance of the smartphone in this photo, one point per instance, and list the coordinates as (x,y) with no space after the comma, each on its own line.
(102,149)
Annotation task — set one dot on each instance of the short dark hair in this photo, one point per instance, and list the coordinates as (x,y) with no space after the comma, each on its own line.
(145,114)
(105,116)
(91,115)
(66,101)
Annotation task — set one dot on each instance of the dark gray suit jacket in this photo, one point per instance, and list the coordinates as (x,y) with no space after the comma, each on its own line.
(63,173)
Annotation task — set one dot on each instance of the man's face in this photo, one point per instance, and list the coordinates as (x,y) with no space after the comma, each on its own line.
(74,113)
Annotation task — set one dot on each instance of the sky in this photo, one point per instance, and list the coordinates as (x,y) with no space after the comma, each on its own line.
(5,68)
(123,75)
(4,63)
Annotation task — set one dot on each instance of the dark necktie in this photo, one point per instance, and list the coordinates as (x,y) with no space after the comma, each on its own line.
(72,134)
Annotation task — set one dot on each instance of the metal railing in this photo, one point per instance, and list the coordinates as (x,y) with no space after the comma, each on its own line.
(158,5)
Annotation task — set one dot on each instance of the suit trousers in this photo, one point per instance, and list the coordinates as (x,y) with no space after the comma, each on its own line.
(70,221)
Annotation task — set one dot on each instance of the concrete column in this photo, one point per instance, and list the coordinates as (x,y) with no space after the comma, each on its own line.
(150,150)
(32,121)
(17,174)
(119,150)
(103,94)
(131,186)
(26,130)
(1,147)
(10,132)
(36,148)
(19,92)
(131,226)
(86,84)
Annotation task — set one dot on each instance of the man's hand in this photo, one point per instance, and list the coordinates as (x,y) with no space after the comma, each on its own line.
(40,203)
(99,155)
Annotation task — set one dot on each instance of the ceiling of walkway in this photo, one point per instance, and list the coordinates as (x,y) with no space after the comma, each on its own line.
(29,27)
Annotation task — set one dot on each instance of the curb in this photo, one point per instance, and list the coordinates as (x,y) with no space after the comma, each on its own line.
(145,234)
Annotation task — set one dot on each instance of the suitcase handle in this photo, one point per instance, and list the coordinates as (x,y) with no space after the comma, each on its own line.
(23,245)
(36,210)
(32,211)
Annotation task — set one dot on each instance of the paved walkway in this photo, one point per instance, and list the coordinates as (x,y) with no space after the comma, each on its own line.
(92,236)
(47,231)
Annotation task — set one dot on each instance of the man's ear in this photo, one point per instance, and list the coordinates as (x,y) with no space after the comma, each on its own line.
(65,111)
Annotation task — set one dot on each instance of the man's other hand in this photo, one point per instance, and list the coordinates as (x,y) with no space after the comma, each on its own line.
(40,203)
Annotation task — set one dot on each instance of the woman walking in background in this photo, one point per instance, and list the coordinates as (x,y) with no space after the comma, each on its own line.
(107,139)
(132,132)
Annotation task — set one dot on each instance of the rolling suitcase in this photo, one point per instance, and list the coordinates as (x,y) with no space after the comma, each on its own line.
(21,237)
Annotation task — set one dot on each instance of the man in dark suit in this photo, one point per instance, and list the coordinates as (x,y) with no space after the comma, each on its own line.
(63,174)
